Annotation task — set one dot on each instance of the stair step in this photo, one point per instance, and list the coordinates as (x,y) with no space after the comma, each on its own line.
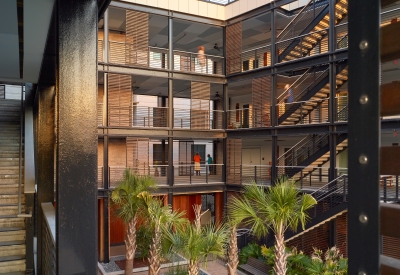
(11,188)
(10,210)
(11,243)
(13,250)
(13,235)
(13,265)
(7,199)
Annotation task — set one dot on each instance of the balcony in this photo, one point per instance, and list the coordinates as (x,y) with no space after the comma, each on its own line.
(157,58)
(135,116)
(198,119)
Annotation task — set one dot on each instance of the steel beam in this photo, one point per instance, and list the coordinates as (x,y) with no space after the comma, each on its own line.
(364,136)
(76,160)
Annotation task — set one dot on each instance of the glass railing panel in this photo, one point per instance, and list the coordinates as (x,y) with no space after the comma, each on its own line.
(186,174)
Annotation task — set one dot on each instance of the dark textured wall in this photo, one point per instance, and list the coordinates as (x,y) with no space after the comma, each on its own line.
(76,91)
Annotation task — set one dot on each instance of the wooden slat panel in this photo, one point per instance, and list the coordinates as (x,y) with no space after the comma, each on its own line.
(137,155)
(137,38)
(261,96)
(119,100)
(234,48)
(390,220)
(391,247)
(390,99)
(219,207)
(200,105)
(390,46)
(389,163)
(234,160)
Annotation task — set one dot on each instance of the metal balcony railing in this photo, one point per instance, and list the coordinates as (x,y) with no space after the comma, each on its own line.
(185,174)
(256,58)
(198,119)
(138,116)
(198,63)
(248,118)
(158,172)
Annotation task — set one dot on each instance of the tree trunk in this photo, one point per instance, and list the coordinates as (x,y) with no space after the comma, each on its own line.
(280,255)
(193,268)
(130,246)
(233,253)
(155,252)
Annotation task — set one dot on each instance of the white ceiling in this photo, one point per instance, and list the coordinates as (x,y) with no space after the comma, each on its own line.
(36,21)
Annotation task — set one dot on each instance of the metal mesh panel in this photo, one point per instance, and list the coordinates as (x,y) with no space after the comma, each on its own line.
(341,234)
(317,237)
(233,48)
(234,161)
(137,37)
(200,105)
(137,155)
(119,100)
(391,247)
(261,101)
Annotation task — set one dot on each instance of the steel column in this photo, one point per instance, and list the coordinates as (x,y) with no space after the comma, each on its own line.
(332,29)
(76,161)
(332,157)
(105,210)
(170,43)
(45,142)
(105,39)
(364,136)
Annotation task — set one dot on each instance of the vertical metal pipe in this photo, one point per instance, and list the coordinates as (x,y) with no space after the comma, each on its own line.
(273,36)
(106,38)
(364,136)
(332,29)
(170,43)
(21,123)
(105,100)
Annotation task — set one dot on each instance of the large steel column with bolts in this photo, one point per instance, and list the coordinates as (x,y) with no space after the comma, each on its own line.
(364,137)
(76,132)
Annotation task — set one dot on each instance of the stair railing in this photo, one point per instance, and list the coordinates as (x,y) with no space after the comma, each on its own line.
(302,150)
(330,195)
(20,150)
(303,18)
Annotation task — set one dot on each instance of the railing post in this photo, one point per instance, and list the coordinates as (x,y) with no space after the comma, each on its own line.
(384,190)
(255,174)
(344,189)
(190,174)
(207,173)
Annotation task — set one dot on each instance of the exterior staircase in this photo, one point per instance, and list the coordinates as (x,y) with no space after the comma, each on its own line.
(12,227)
(310,91)
(307,30)
(308,155)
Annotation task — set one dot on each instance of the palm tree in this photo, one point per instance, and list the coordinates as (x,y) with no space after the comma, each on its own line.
(127,205)
(277,208)
(233,251)
(197,243)
(161,219)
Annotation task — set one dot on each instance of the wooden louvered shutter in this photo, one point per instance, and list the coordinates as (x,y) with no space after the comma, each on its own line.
(219,157)
(200,105)
(234,160)
(137,155)
(185,157)
(261,101)
(137,38)
(119,100)
(234,48)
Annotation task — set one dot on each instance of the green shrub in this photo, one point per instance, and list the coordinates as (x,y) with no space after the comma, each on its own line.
(144,236)
(251,250)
